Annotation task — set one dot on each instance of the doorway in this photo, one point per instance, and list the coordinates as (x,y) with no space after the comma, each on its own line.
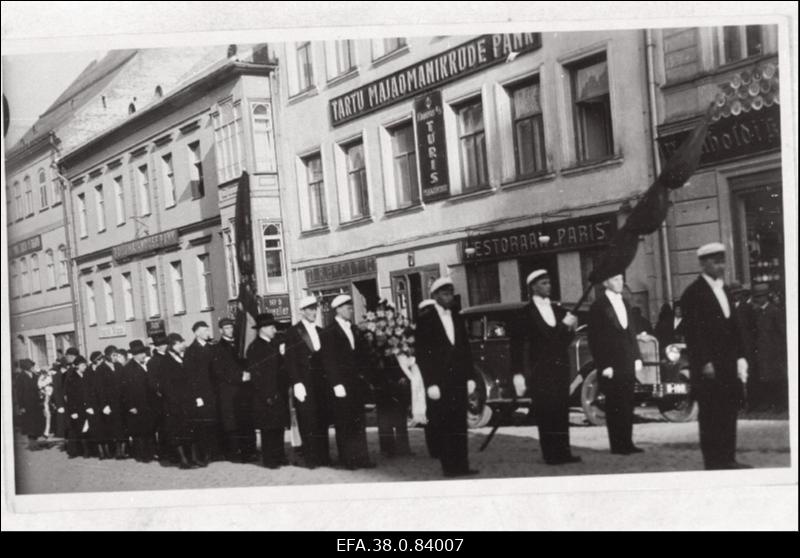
(410,287)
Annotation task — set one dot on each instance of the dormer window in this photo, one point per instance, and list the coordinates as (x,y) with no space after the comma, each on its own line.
(131,108)
(159,92)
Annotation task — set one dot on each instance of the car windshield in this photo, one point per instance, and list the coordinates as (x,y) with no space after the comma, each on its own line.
(497,329)
(476,328)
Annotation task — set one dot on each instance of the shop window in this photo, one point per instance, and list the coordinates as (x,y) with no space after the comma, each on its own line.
(357,189)
(91,308)
(483,281)
(82,227)
(528,128)
(316,191)
(100,205)
(592,109)
(472,145)
(384,47)
(119,200)
(339,57)
(127,296)
(42,189)
(404,156)
(263,141)
(108,300)
(228,140)
(196,171)
(273,259)
(168,178)
(738,42)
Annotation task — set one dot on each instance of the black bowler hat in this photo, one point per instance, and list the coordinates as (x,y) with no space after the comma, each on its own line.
(73,351)
(95,356)
(159,339)
(137,347)
(264,320)
(110,350)
(198,325)
(226,322)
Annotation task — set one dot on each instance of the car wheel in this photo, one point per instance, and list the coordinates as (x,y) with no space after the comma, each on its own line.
(592,400)
(478,412)
(682,409)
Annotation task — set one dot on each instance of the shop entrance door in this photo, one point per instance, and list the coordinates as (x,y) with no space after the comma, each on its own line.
(540,261)
(758,226)
(410,287)
(365,298)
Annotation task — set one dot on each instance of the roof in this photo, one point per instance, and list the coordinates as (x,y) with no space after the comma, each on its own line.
(494,307)
(88,84)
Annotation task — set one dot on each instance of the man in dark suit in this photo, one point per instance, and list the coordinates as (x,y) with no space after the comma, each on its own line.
(549,331)
(769,349)
(445,360)
(345,355)
(154,374)
(717,358)
(197,362)
(270,408)
(309,385)
(612,341)
(107,385)
(234,387)
(138,396)
(79,408)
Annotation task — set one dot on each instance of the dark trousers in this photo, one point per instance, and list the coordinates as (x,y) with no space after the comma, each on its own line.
(393,428)
(719,405)
(272,447)
(351,432)
(551,410)
(313,433)
(446,432)
(240,443)
(77,441)
(619,410)
(143,448)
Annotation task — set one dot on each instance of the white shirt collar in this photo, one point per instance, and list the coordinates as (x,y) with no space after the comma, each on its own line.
(265,339)
(201,342)
(713,283)
(342,322)
(441,309)
(540,300)
(613,296)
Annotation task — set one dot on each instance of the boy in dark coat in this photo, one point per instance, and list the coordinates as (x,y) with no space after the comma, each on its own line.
(203,413)
(175,383)
(138,399)
(107,385)
(80,408)
(270,391)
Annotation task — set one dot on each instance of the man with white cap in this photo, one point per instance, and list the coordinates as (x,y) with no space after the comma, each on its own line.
(549,331)
(309,384)
(716,357)
(615,350)
(444,358)
(345,357)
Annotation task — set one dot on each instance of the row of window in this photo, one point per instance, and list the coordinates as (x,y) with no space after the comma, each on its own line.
(25,200)
(29,277)
(521,143)
(340,58)
(201,292)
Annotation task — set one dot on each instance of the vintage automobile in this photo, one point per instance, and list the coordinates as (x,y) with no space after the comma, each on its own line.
(496,333)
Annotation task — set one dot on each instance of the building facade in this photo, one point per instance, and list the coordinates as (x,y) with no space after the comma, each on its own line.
(736,196)
(477,157)
(151,205)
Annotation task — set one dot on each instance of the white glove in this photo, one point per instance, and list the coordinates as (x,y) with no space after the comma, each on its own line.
(741,370)
(199,401)
(519,384)
(106,410)
(608,373)
(90,411)
(282,349)
(300,392)
(570,320)
(434,393)
(471,387)
(637,365)
(73,416)
(61,410)
(245,376)
(339,391)
(133,411)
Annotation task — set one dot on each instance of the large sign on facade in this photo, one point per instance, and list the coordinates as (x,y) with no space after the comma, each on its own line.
(458,62)
(559,236)
(732,137)
(340,271)
(145,245)
(277,305)
(431,146)
(32,244)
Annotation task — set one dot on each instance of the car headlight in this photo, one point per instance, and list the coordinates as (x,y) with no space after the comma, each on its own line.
(673,353)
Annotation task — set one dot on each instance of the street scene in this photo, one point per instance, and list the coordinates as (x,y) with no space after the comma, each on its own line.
(398,258)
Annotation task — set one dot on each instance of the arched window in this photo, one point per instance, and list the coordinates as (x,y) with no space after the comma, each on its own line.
(273,259)
(36,277)
(131,108)
(28,195)
(42,189)
(63,270)
(263,139)
(24,279)
(49,261)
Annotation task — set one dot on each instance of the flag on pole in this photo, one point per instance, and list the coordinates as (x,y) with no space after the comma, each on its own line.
(245,259)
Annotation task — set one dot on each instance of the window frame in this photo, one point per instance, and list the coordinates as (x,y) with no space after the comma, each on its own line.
(151,286)
(458,107)
(50,264)
(128,297)
(322,205)
(108,300)
(143,187)
(579,128)
(167,164)
(91,303)
(36,278)
(196,176)
(178,287)
(304,82)
(539,142)
(63,267)
(280,249)
(206,290)
(43,197)
(119,200)
(100,207)
(414,190)
(361,174)
(83,225)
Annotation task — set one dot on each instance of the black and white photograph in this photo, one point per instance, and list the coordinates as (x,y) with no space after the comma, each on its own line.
(336,260)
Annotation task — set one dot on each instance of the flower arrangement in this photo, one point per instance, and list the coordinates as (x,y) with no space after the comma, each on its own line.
(388,333)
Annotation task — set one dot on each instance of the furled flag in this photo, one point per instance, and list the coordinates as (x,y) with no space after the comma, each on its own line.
(245,259)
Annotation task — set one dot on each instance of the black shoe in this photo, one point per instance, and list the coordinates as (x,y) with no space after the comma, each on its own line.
(185,465)
(634,449)
(467,473)
(564,460)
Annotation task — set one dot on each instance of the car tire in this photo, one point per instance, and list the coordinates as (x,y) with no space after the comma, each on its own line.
(478,412)
(685,410)
(592,400)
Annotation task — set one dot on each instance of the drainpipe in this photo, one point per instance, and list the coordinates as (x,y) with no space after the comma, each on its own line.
(666,266)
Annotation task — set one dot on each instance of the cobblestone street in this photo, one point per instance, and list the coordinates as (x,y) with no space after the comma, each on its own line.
(514,452)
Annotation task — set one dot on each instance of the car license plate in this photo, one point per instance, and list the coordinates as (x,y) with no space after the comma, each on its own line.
(677,389)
